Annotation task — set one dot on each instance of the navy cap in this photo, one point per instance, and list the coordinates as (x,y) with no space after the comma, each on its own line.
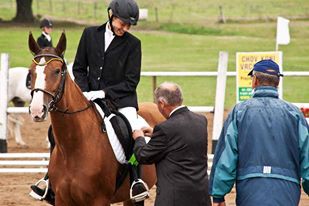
(266,66)
(46,23)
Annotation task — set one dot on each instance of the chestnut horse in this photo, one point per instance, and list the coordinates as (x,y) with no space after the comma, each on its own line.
(82,166)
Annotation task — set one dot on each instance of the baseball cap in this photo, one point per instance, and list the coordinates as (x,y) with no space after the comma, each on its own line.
(266,66)
(46,23)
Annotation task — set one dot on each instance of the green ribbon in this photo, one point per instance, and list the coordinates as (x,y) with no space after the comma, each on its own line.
(133,160)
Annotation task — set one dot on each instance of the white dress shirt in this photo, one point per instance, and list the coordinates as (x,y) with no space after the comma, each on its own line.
(108,36)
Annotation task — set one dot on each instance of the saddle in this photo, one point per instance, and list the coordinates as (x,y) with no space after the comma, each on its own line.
(120,125)
(123,131)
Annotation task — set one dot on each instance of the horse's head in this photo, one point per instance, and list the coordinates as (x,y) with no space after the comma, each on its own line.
(47,71)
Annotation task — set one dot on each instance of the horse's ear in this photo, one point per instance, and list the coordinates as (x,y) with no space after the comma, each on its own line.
(62,44)
(33,45)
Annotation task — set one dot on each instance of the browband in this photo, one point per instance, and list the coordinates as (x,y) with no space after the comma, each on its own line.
(55,58)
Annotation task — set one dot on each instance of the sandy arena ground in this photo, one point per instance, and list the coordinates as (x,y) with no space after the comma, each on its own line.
(14,188)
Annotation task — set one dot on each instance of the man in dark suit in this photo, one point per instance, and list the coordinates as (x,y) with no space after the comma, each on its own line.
(45,39)
(178,147)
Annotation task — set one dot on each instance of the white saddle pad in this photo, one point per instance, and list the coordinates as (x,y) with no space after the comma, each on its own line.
(113,139)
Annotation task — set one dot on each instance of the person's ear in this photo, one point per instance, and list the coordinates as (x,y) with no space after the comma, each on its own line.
(255,82)
(110,13)
(163,102)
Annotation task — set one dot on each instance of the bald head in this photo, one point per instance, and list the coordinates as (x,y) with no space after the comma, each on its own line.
(170,93)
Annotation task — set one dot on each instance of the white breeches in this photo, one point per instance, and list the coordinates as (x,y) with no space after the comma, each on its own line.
(131,114)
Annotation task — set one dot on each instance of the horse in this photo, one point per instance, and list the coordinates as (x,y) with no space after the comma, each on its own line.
(82,168)
(19,94)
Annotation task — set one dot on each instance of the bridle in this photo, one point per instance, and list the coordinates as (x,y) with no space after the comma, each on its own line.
(52,105)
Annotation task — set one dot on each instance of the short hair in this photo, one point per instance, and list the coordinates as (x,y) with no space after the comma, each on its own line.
(170,92)
(267,79)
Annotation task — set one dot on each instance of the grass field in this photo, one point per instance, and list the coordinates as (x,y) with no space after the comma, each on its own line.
(186,38)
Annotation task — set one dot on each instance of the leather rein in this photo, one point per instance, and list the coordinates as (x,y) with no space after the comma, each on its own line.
(52,105)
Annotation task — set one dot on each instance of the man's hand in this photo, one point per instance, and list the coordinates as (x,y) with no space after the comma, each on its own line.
(137,133)
(92,95)
(147,131)
(218,204)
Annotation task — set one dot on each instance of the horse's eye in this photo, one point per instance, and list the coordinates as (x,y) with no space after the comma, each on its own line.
(57,71)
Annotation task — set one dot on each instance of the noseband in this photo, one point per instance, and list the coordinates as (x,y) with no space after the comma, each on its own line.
(58,94)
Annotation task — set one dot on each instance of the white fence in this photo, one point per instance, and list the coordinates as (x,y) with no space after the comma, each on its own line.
(24,162)
(21,159)
(37,162)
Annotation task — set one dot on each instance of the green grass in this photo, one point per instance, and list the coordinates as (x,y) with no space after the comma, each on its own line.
(186,38)
(198,12)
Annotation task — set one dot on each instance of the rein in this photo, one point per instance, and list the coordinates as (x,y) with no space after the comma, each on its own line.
(59,93)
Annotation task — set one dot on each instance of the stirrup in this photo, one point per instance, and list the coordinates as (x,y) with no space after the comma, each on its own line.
(142,196)
(37,196)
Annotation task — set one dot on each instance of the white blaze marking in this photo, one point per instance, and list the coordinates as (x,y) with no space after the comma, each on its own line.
(36,106)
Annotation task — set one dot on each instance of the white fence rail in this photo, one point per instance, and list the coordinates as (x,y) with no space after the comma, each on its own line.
(24,162)
(21,162)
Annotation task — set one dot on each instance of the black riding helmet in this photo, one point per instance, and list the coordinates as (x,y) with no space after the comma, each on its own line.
(126,10)
(46,23)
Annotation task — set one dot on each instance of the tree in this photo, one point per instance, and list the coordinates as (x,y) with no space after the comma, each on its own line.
(24,11)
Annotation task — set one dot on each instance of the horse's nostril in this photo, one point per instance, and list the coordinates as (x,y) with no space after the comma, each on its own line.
(44,110)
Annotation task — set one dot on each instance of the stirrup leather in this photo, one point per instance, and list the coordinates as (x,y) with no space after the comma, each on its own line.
(37,196)
(142,196)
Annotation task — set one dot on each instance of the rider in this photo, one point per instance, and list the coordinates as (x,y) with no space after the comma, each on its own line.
(108,65)
(45,39)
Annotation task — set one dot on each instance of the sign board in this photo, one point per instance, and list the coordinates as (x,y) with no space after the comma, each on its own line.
(244,64)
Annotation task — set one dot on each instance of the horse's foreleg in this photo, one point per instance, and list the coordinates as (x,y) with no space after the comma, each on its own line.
(102,201)
(18,138)
(128,203)
(15,121)
(10,127)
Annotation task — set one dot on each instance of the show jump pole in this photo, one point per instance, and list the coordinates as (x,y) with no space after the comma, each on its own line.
(220,97)
(4,101)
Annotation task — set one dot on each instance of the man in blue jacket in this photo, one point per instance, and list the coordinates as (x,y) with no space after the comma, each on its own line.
(263,147)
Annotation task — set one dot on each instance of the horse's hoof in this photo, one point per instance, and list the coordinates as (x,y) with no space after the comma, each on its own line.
(22,145)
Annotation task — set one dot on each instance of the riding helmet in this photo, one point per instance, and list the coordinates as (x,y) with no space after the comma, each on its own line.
(126,10)
(46,23)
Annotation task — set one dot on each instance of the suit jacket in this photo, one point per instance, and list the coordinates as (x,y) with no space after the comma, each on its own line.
(43,42)
(178,147)
(116,71)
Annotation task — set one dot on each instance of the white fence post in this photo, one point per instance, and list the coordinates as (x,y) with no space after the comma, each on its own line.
(4,101)
(220,97)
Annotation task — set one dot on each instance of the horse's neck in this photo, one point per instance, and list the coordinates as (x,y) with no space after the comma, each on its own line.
(72,97)
(72,128)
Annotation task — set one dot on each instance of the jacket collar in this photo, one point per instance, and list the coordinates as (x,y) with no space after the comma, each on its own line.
(265,91)
(100,38)
(178,110)
(102,27)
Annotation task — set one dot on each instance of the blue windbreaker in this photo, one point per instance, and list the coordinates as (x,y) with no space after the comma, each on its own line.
(264,149)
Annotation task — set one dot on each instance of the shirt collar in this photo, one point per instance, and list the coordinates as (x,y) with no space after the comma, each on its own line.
(108,31)
(48,37)
(176,109)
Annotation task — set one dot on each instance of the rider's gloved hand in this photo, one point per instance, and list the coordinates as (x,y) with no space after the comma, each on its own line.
(92,95)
